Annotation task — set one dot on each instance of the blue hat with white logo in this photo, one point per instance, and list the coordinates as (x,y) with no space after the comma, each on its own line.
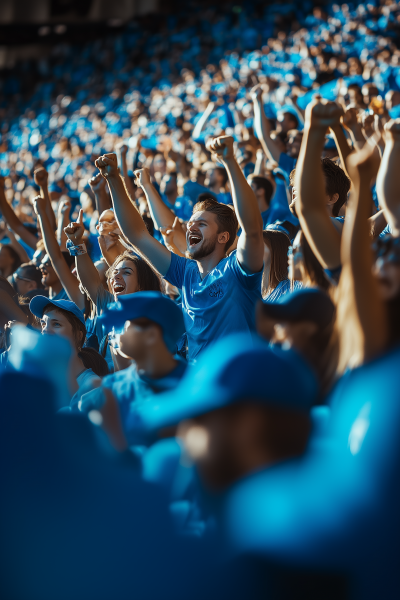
(38,304)
(234,369)
(150,305)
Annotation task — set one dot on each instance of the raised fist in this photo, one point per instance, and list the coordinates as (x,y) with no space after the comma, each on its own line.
(107,165)
(75,231)
(65,206)
(41,176)
(256,92)
(221,147)
(39,205)
(122,147)
(142,177)
(97,182)
(322,114)
(350,117)
(392,129)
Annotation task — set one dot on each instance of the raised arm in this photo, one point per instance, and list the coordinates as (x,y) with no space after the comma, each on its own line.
(262,126)
(9,310)
(88,274)
(387,183)
(342,146)
(123,150)
(69,282)
(13,221)
(250,248)
(129,220)
(361,317)
(41,178)
(64,209)
(98,186)
(310,188)
(202,121)
(7,232)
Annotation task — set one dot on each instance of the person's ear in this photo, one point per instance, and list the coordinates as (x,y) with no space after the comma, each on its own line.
(333,199)
(223,237)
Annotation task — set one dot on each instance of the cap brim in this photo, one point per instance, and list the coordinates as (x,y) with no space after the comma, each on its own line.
(170,408)
(37,305)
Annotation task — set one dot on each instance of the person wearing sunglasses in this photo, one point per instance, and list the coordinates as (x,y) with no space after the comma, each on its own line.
(27,281)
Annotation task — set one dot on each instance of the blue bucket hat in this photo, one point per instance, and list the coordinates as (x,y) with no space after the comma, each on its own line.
(150,305)
(233,369)
(302,305)
(38,304)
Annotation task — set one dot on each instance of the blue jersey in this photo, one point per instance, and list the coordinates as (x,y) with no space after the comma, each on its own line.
(220,304)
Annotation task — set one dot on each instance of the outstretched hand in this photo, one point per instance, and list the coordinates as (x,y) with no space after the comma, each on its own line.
(75,231)
(221,147)
(321,114)
(41,177)
(107,165)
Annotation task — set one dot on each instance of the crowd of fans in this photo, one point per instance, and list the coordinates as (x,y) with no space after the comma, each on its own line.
(205,216)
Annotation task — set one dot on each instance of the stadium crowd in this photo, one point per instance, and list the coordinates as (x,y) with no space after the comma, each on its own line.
(205,216)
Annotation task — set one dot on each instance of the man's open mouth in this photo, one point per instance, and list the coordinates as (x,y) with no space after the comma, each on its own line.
(118,288)
(194,238)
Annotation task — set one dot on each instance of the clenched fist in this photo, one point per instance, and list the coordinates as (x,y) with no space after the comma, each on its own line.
(322,114)
(107,165)
(41,176)
(221,147)
(142,177)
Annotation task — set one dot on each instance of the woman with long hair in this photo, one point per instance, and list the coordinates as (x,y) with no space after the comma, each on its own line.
(275,281)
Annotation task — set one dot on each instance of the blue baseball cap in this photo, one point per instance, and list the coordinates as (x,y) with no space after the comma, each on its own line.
(302,305)
(38,304)
(233,369)
(150,305)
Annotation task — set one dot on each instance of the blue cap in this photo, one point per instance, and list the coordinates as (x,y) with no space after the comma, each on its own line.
(150,305)
(302,305)
(38,304)
(233,369)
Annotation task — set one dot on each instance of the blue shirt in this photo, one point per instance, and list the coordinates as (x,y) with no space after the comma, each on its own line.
(220,304)
(131,389)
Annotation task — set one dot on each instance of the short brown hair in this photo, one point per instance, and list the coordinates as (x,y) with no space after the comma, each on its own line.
(226,217)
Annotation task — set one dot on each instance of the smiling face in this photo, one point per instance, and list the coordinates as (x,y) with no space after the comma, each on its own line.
(202,235)
(124,279)
(49,276)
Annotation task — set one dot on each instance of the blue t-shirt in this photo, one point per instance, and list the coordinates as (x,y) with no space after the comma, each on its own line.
(220,304)
(131,389)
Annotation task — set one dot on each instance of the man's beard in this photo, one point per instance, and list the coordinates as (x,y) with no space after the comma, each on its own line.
(205,249)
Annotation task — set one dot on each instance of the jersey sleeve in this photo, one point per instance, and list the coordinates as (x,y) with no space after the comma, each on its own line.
(176,271)
(251,281)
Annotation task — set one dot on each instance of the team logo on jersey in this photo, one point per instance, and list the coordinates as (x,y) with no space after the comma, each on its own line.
(215,290)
